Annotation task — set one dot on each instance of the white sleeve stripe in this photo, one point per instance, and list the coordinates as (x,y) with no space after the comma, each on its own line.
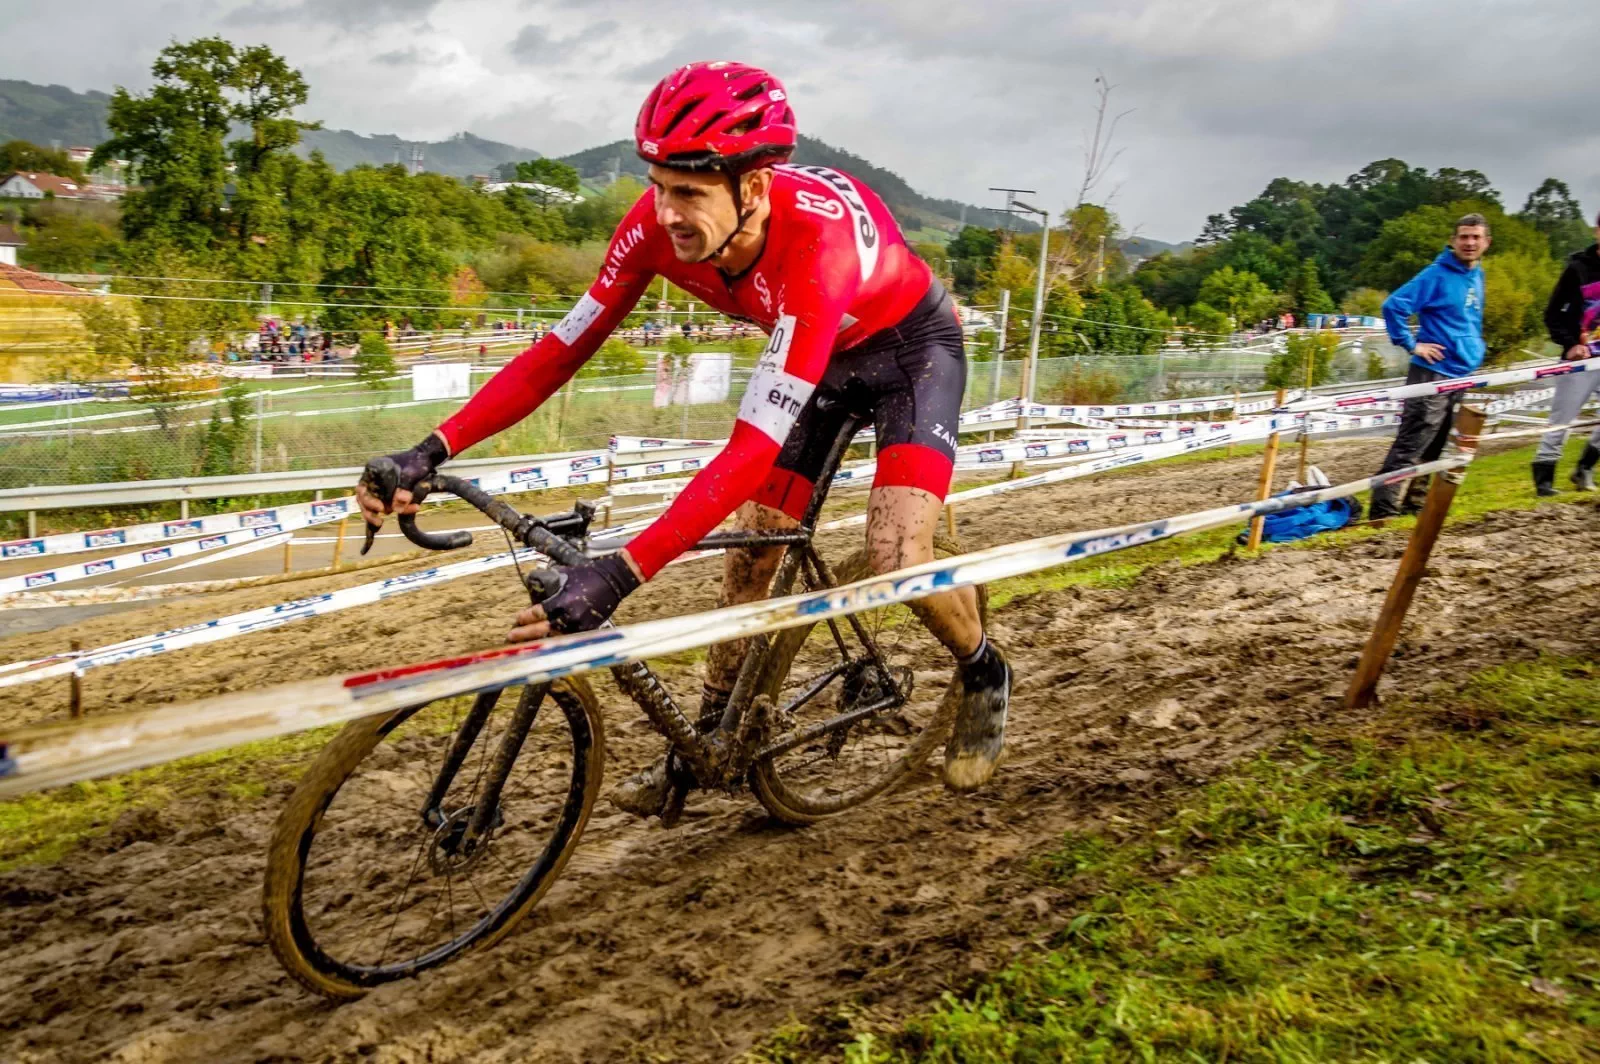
(578,319)
(773,402)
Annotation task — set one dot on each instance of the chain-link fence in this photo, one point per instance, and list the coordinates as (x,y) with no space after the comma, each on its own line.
(267,426)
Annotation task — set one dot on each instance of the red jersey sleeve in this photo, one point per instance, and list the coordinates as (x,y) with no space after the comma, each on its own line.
(820,276)
(535,375)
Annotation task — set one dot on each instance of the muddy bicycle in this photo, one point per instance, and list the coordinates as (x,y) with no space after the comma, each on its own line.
(430,831)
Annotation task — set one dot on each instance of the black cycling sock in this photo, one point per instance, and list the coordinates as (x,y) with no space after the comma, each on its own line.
(983,668)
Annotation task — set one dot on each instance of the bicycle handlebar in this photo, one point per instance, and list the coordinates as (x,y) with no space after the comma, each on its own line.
(546,535)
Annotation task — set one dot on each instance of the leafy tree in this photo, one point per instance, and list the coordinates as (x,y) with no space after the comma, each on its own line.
(971,255)
(67,237)
(934,255)
(1367,302)
(1288,368)
(1305,294)
(1207,326)
(25,155)
(226,439)
(176,138)
(548,172)
(1516,285)
(1408,243)
(1552,209)
(1241,292)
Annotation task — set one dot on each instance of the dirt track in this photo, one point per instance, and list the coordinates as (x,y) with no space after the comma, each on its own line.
(145,945)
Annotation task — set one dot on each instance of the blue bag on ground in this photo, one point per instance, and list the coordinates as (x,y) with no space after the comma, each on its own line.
(1307,520)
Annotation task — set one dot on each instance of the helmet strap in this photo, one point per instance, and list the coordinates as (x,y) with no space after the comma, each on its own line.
(739,212)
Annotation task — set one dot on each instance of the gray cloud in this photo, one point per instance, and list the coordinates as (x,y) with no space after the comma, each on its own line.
(534,46)
(346,14)
(955,96)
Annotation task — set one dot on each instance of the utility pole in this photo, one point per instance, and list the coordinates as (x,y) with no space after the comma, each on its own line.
(1011,200)
(1000,344)
(1100,263)
(1031,367)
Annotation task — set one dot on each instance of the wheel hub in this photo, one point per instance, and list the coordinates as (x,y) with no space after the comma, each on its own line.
(452,850)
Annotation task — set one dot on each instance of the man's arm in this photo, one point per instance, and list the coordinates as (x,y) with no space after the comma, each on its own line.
(535,375)
(1398,308)
(819,291)
(1563,315)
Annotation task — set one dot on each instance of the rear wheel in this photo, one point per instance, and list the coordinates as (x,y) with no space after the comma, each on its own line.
(362,889)
(854,760)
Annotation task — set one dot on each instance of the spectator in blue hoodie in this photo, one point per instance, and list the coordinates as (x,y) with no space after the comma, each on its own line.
(1447,299)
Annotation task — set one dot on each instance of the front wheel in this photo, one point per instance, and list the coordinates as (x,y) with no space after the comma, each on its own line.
(369,881)
(856,757)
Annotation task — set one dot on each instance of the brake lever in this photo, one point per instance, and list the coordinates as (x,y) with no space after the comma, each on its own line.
(381,478)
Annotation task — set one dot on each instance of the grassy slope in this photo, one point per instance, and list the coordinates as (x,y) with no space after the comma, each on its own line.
(1420,888)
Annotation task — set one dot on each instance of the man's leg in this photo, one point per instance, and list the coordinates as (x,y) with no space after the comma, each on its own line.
(1417,488)
(901,522)
(1419,423)
(900,525)
(746,576)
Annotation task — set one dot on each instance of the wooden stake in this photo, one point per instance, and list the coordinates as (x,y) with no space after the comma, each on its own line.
(338,545)
(1305,437)
(287,544)
(75,697)
(1235,416)
(1413,564)
(1269,465)
(950,520)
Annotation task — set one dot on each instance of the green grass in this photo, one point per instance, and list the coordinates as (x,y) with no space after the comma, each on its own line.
(39,829)
(1494,482)
(1423,888)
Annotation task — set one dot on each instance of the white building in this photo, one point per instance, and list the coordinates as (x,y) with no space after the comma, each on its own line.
(10,241)
(548,193)
(25,185)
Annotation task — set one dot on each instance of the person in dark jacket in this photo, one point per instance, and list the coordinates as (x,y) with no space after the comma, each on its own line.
(1573,319)
(1447,299)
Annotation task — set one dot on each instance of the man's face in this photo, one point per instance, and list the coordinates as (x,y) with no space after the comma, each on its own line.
(1470,242)
(696,210)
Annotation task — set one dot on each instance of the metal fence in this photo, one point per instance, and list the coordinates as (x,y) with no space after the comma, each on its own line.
(283,425)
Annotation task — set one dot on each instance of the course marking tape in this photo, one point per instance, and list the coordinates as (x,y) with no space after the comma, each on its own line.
(1445,387)
(50,755)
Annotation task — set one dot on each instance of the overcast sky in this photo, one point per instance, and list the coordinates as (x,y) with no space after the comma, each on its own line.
(1225,94)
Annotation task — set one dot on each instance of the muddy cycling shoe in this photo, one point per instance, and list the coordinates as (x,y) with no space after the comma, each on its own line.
(978,739)
(644,793)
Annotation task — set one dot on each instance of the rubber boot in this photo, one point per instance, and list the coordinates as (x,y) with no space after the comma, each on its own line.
(1583,474)
(1544,479)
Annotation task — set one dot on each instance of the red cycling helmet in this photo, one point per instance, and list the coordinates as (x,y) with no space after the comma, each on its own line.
(716,116)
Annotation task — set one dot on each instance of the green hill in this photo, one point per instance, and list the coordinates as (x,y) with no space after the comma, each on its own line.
(923,217)
(54,114)
(51,115)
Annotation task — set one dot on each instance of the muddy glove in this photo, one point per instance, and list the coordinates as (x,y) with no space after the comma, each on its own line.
(586,595)
(385,475)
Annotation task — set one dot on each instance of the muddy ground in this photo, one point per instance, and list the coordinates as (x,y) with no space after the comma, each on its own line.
(693,943)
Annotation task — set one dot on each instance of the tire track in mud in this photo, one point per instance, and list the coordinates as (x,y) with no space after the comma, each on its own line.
(690,944)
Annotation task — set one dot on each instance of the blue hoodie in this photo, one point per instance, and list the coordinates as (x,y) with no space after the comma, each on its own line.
(1447,298)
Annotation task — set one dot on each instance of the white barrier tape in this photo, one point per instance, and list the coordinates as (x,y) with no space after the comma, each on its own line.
(167,531)
(256,620)
(1518,400)
(56,754)
(1446,387)
(267,522)
(237,552)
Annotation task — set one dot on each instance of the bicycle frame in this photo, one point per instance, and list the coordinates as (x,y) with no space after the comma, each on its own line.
(721,757)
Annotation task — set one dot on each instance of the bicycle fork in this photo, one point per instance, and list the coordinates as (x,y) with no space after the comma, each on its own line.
(486,805)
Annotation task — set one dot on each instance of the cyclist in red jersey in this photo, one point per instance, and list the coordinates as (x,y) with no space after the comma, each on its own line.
(856,321)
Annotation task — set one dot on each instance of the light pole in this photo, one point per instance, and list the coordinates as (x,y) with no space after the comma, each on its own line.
(1031,367)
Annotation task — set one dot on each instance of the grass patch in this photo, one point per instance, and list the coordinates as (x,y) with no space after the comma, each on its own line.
(1494,482)
(41,828)
(1423,889)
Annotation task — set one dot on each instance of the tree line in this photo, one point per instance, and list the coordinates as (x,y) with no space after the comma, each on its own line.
(1298,247)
